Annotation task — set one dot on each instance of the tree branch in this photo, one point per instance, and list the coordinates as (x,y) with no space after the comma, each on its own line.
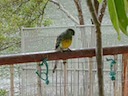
(17,9)
(61,7)
(93,13)
(96,5)
(102,10)
(80,13)
(9,45)
(40,14)
(45,7)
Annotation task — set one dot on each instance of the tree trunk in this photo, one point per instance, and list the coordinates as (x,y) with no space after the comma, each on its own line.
(97,19)
(99,54)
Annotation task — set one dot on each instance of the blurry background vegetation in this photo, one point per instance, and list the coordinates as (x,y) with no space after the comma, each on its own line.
(15,14)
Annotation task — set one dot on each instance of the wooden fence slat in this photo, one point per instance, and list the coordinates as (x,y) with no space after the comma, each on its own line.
(12,80)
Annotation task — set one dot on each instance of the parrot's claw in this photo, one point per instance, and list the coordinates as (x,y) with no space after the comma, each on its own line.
(69,50)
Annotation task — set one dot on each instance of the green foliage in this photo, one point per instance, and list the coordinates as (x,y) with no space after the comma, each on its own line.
(3,92)
(47,22)
(113,16)
(126,6)
(16,14)
(118,15)
(25,13)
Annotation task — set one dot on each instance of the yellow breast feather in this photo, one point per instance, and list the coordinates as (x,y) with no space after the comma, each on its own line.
(66,43)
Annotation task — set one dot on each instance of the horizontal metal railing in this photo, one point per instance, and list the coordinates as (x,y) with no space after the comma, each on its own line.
(53,55)
(22,58)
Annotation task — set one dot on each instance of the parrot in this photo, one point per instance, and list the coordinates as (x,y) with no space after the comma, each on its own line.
(63,42)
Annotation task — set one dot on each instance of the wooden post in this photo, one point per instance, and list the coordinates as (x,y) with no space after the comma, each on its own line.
(125,75)
(92,43)
(65,77)
(56,81)
(12,80)
(90,77)
(126,81)
(115,83)
(39,87)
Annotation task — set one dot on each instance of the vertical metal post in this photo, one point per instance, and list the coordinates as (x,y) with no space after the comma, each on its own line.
(12,80)
(61,80)
(56,82)
(65,77)
(126,81)
(90,77)
(115,82)
(78,88)
(125,75)
(92,43)
(39,87)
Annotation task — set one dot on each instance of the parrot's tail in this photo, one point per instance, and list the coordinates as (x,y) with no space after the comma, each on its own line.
(55,66)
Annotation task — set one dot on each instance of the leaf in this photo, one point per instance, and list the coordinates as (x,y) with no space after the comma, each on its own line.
(122,17)
(100,1)
(126,6)
(113,16)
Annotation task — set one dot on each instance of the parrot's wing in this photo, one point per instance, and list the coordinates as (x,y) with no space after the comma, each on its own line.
(58,41)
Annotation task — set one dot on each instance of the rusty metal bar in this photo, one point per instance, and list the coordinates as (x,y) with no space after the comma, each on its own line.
(53,55)
(125,75)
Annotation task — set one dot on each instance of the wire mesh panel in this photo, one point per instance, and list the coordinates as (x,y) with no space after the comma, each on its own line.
(81,73)
(81,80)
(10,80)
